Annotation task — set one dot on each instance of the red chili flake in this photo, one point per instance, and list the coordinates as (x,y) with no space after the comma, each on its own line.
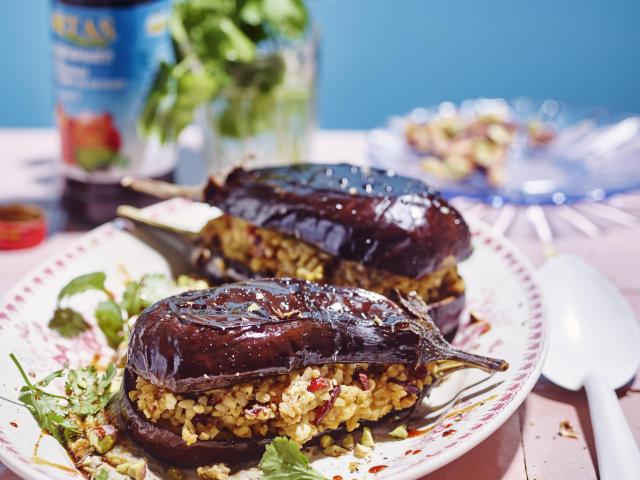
(416,452)
(13,424)
(364,380)
(417,432)
(337,477)
(446,433)
(377,468)
(323,409)
(408,452)
(318,384)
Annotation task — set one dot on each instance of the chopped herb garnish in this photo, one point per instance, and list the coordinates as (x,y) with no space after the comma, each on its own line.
(139,295)
(111,316)
(48,409)
(68,323)
(83,283)
(110,321)
(283,460)
(87,393)
(131,299)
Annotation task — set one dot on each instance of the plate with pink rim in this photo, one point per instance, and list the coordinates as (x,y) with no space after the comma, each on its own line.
(501,289)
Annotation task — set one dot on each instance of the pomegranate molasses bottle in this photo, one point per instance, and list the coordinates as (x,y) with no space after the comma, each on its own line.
(105,57)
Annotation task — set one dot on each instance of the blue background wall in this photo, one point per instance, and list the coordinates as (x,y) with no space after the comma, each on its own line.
(382,57)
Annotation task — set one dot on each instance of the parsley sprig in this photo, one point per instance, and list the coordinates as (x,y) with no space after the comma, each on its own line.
(69,323)
(86,393)
(283,460)
(47,408)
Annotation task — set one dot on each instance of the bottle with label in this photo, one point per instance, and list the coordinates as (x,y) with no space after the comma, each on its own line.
(105,57)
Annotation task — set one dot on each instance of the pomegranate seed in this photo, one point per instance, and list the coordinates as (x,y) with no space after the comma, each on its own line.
(318,384)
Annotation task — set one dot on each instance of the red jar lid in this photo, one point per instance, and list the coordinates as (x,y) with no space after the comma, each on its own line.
(21,226)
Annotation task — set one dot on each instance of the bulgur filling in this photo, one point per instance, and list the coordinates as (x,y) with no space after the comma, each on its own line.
(300,405)
(272,254)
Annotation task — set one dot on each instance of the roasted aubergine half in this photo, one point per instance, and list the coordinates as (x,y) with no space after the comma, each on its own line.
(213,375)
(331,223)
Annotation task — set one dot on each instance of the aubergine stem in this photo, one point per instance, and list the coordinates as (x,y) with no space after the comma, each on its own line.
(449,359)
(162,190)
(182,241)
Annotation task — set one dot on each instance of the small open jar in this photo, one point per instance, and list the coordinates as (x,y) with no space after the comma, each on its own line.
(21,226)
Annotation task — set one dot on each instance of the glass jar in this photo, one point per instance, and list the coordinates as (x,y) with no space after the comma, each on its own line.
(267,115)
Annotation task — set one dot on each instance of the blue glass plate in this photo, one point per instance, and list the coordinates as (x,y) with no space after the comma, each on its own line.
(595,153)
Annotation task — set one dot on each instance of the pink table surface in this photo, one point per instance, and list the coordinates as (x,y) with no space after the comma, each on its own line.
(527,446)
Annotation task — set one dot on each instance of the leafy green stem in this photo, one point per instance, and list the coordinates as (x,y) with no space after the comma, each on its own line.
(31,386)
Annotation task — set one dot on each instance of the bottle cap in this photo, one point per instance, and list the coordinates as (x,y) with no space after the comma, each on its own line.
(21,226)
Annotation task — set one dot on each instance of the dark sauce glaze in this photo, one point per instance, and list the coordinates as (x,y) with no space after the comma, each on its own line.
(444,313)
(370,216)
(236,332)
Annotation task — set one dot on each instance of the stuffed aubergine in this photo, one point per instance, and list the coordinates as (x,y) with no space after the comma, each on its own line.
(213,375)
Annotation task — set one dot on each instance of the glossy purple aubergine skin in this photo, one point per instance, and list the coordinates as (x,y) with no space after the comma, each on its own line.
(213,338)
(370,216)
(445,313)
(234,333)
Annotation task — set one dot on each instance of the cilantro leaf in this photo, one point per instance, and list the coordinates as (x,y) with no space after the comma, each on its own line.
(68,323)
(89,393)
(287,17)
(139,295)
(90,281)
(283,460)
(110,321)
(131,299)
(46,408)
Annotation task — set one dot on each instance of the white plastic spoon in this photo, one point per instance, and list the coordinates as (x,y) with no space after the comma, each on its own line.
(594,343)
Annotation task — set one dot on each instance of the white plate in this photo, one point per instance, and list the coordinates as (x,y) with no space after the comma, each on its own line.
(501,287)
